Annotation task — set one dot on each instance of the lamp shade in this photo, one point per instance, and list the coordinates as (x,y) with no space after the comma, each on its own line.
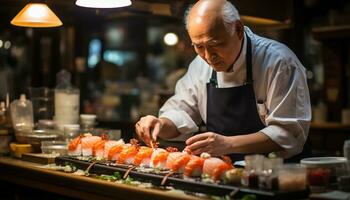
(103,3)
(36,15)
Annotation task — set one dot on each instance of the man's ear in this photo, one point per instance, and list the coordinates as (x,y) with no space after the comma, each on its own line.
(239,29)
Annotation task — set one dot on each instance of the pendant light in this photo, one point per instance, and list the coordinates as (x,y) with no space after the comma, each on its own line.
(103,3)
(36,15)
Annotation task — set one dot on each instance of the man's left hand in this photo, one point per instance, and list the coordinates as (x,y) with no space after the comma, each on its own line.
(209,142)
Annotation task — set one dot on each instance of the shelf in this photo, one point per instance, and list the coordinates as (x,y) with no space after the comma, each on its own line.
(330,125)
(331,32)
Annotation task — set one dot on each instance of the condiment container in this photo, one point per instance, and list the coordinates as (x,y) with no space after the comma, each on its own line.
(323,171)
(268,178)
(54,147)
(22,118)
(252,170)
(66,101)
(291,177)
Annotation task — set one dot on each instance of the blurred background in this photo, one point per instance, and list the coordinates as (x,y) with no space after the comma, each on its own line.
(126,61)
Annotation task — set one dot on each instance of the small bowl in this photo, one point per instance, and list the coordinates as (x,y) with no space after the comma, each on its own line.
(54,147)
(38,136)
(332,163)
(324,169)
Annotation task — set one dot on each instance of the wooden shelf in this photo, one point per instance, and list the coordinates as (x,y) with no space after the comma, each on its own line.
(331,32)
(330,125)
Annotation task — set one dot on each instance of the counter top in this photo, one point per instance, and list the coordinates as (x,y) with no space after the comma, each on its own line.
(31,175)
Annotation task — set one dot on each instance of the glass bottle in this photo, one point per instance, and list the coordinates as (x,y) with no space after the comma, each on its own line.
(66,100)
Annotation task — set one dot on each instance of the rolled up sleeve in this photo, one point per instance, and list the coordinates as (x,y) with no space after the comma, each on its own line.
(289,109)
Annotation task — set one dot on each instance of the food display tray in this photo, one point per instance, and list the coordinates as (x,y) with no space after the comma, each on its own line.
(176,181)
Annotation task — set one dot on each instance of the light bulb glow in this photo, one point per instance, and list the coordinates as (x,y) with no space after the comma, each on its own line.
(103,3)
(171,39)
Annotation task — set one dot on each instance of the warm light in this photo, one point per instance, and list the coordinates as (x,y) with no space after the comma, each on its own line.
(1,43)
(36,15)
(7,44)
(103,3)
(171,39)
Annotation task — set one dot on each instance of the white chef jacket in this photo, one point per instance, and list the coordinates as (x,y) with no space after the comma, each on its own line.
(279,81)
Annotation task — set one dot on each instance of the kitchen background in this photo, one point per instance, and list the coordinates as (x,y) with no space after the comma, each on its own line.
(125,61)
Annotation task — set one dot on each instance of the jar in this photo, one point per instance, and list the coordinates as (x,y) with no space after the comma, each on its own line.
(323,171)
(268,178)
(71,131)
(291,177)
(252,169)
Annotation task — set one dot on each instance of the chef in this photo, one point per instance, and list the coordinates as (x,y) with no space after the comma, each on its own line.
(250,92)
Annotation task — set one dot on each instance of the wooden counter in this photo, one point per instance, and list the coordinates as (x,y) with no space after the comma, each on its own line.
(30,175)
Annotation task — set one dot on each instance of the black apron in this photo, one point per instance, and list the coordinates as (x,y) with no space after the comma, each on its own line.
(233,111)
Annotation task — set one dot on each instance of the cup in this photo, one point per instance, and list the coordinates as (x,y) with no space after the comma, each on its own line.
(71,131)
(42,100)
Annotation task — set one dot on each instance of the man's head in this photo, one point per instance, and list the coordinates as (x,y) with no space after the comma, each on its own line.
(216,32)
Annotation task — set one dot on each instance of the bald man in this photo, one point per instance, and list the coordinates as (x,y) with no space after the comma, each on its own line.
(250,92)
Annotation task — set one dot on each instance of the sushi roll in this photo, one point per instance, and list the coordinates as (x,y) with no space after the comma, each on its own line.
(143,157)
(216,168)
(74,146)
(159,158)
(87,143)
(109,144)
(177,161)
(194,167)
(127,155)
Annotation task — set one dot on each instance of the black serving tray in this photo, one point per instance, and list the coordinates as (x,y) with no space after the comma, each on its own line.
(178,182)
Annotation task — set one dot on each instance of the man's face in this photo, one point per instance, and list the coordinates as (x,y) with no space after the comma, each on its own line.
(214,44)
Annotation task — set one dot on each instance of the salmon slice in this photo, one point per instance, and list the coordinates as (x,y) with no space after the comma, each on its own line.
(113,153)
(98,148)
(194,167)
(127,155)
(159,158)
(87,144)
(215,168)
(74,146)
(177,161)
(109,144)
(143,157)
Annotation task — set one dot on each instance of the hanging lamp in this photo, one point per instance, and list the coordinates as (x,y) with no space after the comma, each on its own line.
(103,3)
(36,15)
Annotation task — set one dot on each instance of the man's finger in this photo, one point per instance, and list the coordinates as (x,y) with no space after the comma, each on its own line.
(197,137)
(198,145)
(156,130)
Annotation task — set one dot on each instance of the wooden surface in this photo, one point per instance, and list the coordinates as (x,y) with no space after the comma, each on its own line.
(31,175)
(330,125)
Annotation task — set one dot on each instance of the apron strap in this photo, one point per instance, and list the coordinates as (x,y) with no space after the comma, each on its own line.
(248,60)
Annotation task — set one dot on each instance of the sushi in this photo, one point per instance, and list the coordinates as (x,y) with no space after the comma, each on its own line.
(194,167)
(215,168)
(159,158)
(87,143)
(177,161)
(74,146)
(143,157)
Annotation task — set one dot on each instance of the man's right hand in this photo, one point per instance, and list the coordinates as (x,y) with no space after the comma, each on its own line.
(148,128)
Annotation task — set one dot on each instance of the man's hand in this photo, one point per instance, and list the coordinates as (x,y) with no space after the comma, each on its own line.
(209,142)
(148,128)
